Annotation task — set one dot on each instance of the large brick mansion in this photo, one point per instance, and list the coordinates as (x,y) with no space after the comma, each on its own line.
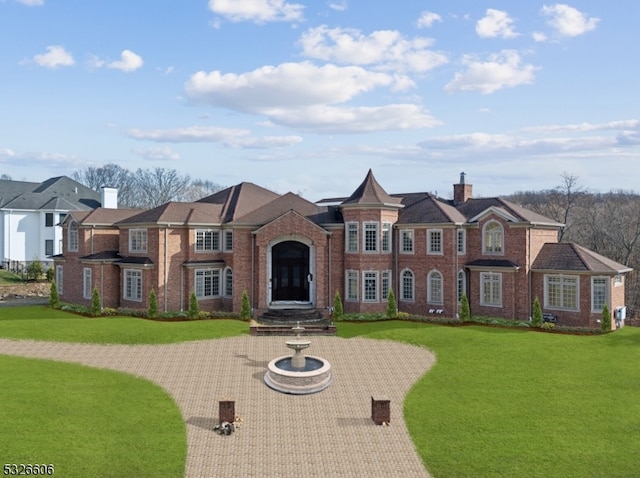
(284,250)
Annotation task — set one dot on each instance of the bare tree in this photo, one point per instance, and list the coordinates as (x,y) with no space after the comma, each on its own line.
(199,189)
(158,186)
(5,177)
(110,175)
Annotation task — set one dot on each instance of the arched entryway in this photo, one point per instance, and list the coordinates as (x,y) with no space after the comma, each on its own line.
(290,274)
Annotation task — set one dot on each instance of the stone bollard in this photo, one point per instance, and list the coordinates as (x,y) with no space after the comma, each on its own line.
(227,411)
(380,410)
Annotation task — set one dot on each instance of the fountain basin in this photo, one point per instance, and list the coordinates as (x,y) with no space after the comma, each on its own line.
(314,377)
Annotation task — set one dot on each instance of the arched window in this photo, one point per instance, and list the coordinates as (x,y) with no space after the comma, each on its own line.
(228,282)
(407,285)
(493,238)
(462,285)
(434,288)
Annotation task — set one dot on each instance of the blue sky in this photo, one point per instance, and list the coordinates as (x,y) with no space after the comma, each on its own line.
(306,96)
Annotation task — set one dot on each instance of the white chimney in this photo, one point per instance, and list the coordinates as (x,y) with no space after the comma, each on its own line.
(109,197)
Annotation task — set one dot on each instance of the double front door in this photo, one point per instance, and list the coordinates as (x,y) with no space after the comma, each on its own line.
(290,272)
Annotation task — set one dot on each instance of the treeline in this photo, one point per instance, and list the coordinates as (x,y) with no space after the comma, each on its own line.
(146,188)
(607,223)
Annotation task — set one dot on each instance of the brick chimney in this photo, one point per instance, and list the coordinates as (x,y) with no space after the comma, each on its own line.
(462,191)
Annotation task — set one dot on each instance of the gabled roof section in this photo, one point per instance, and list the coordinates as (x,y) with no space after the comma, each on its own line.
(475,209)
(571,257)
(105,216)
(239,200)
(177,213)
(370,193)
(60,193)
(290,202)
(429,209)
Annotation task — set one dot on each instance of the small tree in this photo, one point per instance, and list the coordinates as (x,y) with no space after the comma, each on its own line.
(536,318)
(338,310)
(49,274)
(194,309)
(465,311)
(392,305)
(54,297)
(606,319)
(245,306)
(35,269)
(96,304)
(152,310)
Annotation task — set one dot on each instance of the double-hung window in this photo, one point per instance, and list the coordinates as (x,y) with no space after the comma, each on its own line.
(207,283)
(461,236)
(228,241)
(228,282)
(493,238)
(385,239)
(598,293)
(434,241)
(133,285)
(406,241)
(385,284)
(207,240)
(370,286)
(407,285)
(59,278)
(137,240)
(352,285)
(72,236)
(434,288)
(86,283)
(370,237)
(351,242)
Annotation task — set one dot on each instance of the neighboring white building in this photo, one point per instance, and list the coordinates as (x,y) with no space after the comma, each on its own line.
(30,214)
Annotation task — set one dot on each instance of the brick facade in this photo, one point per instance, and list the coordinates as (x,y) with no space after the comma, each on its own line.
(499,280)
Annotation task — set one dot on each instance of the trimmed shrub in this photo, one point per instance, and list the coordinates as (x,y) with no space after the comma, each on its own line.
(606,319)
(245,306)
(152,310)
(96,304)
(536,318)
(392,305)
(35,269)
(50,274)
(194,309)
(465,311)
(338,310)
(54,297)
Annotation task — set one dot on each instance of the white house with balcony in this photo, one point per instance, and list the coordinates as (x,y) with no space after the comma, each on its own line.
(30,214)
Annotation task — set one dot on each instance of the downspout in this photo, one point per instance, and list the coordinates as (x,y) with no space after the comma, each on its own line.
(529,275)
(456,272)
(329,278)
(92,227)
(396,248)
(102,285)
(166,262)
(253,247)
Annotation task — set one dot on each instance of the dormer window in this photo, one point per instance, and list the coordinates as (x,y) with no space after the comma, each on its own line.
(493,238)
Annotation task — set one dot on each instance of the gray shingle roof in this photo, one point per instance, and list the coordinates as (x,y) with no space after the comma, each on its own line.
(60,193)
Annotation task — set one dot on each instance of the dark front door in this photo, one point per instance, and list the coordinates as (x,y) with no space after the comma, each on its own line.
(289,271)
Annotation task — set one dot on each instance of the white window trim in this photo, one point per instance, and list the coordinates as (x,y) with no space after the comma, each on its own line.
(59,278)
(347,236)
(484,239)
(205,272)
(546,292)
(213,248)
(377,286)
(413,241)
(389,237)
(146,240)
(429,250)
(86,281)
(413,286)
(461,280)
(137,273)
(73,232)
(482,279)
(227,232)
(607,285)
(376,237)
(347,274)
(461,239)
(430,290)
(385,275)
(226,281)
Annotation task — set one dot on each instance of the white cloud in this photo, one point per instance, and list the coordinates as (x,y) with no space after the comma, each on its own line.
(568,21)
(157,154)
(129,61)
(385,49)
(40,159)
(338,6)
(427,19)
(258,11)
(56,56)
(31,3)
(620,125)
(539,36)
(237,138)
(495,23)
(286,85)
(502,70)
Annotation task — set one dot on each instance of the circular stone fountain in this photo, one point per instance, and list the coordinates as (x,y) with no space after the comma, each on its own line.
(298,374)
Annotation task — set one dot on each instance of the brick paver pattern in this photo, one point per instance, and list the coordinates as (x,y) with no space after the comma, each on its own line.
(328,434)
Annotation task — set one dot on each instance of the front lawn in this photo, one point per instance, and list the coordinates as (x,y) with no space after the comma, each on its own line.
(511,403)
(9,278)
(88,422)
(45,323)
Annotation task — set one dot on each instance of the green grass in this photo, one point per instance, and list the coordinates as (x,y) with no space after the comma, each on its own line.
(44,323)
(88,422)
(511,403)
(9,278)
